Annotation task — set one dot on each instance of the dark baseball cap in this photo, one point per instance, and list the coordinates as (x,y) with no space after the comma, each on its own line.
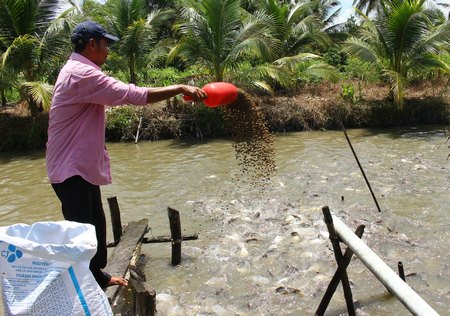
(84,31)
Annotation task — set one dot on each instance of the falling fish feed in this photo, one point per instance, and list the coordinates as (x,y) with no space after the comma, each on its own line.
(252,141)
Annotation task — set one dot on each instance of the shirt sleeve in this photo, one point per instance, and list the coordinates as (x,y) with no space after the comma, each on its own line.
(102,89)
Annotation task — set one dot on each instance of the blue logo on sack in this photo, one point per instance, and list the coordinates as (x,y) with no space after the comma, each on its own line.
(12,253)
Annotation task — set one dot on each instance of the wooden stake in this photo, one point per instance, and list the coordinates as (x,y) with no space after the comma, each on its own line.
(175,231)
(401,272)
(339,259)
(115,218)
(337,277)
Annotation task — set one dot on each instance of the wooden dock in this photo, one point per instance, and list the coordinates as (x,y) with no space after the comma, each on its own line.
(126,260)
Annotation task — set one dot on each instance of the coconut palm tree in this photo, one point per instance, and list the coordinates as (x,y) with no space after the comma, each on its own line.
(35,36)
(218,35)
(401,40)
(137,27)
(298,26)
(295,25)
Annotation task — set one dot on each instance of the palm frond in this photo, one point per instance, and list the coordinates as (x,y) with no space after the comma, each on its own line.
(291,61)
(355,47)
(276,73)
(425,63)
(160,51)
(156,18)
(136,38)
(47,11)
(40,92)
(262,86)
(323,71)
(301,10)
(406,26)
(433,41)
(21,52)
(253,39)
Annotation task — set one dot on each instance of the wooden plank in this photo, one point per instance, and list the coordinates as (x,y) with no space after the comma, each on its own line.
(119,260)
(144,297)
(145,300)
(159,239)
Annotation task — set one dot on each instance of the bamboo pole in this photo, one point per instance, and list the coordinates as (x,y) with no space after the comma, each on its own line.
(136,138)
(360,167)
(410,299)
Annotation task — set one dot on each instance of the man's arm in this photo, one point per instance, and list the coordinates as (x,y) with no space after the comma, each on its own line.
(163,93)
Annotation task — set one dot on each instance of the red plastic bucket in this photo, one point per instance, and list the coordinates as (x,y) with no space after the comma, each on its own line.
(218,93)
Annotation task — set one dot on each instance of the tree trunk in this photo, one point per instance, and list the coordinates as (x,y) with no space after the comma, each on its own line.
(132,69)
(3,97)
(34,108)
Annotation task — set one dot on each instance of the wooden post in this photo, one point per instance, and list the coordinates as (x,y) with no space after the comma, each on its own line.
(115,218)
(401,272)
(337,277)
(339,259)
(175,231)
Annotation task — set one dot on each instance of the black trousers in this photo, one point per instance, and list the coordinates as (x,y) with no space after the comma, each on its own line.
(81,202)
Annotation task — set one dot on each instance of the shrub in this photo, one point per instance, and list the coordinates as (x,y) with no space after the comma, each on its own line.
(23,132)
(121,123)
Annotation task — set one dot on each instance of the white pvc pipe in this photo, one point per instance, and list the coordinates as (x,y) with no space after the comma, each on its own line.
(412,301)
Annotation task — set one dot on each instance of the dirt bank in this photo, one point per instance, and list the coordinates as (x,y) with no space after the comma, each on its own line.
(322,106)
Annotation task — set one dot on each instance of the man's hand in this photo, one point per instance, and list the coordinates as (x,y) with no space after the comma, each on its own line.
(117,281)
(195,93)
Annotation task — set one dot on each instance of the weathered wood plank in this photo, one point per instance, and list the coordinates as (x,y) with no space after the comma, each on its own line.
(144,297)
(119,260)
(159,239)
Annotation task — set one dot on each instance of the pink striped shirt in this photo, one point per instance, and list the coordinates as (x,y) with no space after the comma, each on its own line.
(76,132)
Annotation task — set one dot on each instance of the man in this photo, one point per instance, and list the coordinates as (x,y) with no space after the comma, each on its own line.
(77,160)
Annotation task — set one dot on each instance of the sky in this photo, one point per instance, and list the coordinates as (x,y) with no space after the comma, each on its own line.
(346,11)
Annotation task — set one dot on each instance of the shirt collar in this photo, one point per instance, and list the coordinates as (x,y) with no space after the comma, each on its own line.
(82,59)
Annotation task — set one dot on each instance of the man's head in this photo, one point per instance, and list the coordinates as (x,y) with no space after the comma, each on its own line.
(91,40)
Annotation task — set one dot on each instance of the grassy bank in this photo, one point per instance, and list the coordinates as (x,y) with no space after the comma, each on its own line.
(309,108)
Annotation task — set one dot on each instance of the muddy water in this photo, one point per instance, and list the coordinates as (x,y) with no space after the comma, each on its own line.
(264,251)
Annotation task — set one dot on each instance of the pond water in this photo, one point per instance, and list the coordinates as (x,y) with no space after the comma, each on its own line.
(265,250)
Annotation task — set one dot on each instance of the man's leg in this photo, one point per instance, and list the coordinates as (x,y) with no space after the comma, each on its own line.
(81,202)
